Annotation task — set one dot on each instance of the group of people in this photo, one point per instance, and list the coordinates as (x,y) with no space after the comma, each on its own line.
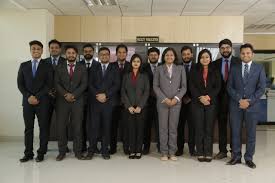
(98,99)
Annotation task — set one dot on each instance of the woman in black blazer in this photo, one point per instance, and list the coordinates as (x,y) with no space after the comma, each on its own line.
(134,94)
(204,86)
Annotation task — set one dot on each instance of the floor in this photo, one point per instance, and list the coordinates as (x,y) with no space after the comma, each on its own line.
(149,169)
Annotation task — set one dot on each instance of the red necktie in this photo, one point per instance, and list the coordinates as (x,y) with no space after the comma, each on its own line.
(226,71)
(71,70)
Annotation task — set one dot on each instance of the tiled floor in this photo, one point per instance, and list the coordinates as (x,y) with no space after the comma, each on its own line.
(149,169)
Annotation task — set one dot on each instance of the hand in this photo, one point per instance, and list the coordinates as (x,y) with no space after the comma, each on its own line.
(52,93)
(137,110)
(173,102)
(186,99)
(205,100)
(33,100)
(244,103)
(101,97)
(131,110)
(167,102)
(69,97)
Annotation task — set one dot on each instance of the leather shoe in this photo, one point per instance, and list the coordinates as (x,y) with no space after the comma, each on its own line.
(220,155)
(106,156)
(80,157)
(25,159)
(179,153)
(60,157)
(89,156)
(234,162)
(250,164)
(39,158)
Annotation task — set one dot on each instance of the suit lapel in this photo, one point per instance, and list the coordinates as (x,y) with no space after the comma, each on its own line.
(76,71)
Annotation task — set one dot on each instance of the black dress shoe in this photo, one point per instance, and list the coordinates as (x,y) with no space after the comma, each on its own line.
(179,153)
(250,164)
(60,157)
(80,157)
(208,159)
(234,161)
(106,156)
(25,159)
(201,159)
(138,155)
(220,155)
(39,158)
(89,156)
(132,156)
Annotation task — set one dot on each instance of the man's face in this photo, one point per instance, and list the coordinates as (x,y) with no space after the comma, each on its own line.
(55,49)
(36,51)
(187,56)
(246,55)
(88,53)
(71,55)
(121,54)
(153,57)
(226,50)
(104,56)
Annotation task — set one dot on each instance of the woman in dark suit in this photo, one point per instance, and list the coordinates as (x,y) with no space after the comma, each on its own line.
(134,94)
(204,85)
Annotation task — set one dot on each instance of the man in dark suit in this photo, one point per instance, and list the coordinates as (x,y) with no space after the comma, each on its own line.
(34,80)
(185,113)
(123,66)
(152,113)
(223,65)
(70,82)
(54,60)
(246,85)
(89,62)
(104,84)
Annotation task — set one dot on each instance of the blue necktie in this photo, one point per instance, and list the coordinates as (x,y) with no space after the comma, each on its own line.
(54,61)
(245,73)
(103,70)
(34,68)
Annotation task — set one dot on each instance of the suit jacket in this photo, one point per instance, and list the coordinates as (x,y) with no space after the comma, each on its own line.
(109,84)
(150,74)
(197,86)
(94,64)
(38,86)
(251,89)
(77,85)
(188,93)
(166,87)
(218,65)
(60,61)
(135,95)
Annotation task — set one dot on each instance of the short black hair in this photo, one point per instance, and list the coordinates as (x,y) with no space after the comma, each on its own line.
(88,45)
(54,41)
(225,41)
(121,46)
(164,53)
(186,48)
(104,48)
(202,52)
(35,42)
(247,45)
(153,49)
(71,47)
(133,58)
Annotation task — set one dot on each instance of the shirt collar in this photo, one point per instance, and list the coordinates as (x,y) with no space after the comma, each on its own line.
(169,67)
(38,60)
(88,61)
(68,63)
(249,63)
(104,64)
(156,64)
(57,58)
(229,59)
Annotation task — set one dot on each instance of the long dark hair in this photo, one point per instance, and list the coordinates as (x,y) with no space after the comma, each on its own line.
(200,55)
(141,63)
(164,53)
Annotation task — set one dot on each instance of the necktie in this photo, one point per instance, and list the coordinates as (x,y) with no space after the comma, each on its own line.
(226,71)
(103,70)
(121,66)
(245,73)
(186,68)
(34,67)
(54,62)
(154,69)
(88,65)
(71,70)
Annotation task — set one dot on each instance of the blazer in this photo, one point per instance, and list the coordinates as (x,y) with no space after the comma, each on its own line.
(60,61)
(94,64)
(77,85)
(251,89)
(150,74)
(197,86)
(166,87)
(109,84)
(135,95)
(188,93)
(38,86)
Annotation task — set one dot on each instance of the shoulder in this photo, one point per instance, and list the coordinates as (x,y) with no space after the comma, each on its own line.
(235,59)
(218,61)
(23,64)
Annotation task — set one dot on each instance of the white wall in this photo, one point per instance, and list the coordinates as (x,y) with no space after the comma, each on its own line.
(16,30)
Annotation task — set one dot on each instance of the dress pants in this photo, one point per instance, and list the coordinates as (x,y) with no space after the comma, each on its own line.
(236,121)
(42,112)
(117,126)
(168,124)
(204,117)
(73,111)
(136,130)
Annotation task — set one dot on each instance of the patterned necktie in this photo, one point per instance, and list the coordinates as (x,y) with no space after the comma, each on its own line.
(121,66)
(154,69)
(54,62)
(245,73)
(226,71)
(103,70)
(71,70)
(34,67)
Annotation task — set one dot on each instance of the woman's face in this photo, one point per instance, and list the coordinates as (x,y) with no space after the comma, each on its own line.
(169,57)
(205,59)
(136,63)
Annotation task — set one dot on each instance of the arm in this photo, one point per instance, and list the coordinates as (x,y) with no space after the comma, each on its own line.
(260,88)
(49,83)
(217,86)
(83,84)
(144,98)
(230,87)
(57,81)
(156,85)
(115,85)
(183,89)
(194,90)
(92,90)
(124,97)
(21,83)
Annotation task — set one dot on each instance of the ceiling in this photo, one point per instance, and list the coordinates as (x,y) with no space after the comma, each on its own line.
(259,15)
